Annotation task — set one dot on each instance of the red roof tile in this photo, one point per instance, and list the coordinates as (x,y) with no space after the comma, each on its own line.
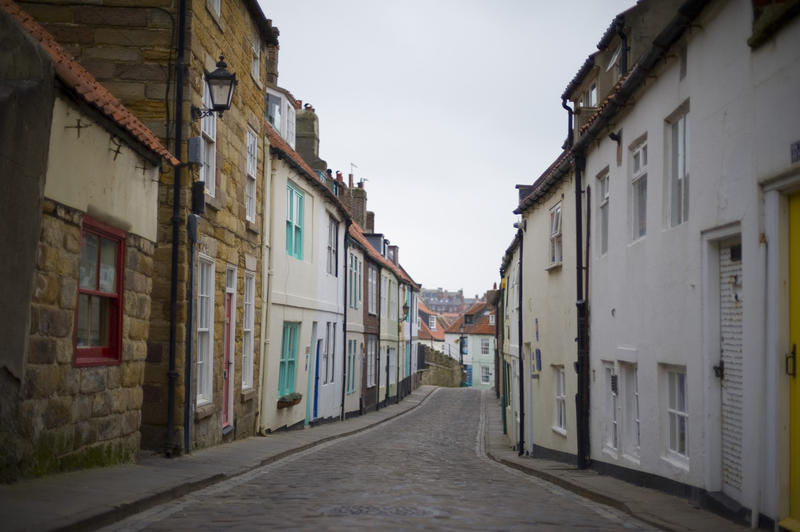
(77,78)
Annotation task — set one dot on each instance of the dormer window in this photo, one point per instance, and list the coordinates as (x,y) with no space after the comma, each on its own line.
(614,59)
(281,114)
(590,96)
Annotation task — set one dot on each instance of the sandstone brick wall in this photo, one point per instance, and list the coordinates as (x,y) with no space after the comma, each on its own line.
(71,417)
(442,370)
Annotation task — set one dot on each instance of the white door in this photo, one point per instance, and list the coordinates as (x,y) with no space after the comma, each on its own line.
(730,312)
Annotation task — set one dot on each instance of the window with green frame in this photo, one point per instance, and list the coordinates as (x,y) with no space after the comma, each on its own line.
(291,331)
(294,221)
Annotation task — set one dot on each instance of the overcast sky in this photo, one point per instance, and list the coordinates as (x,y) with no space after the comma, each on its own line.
(443,106)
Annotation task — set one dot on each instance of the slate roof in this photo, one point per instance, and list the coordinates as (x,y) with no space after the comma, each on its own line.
(76,78)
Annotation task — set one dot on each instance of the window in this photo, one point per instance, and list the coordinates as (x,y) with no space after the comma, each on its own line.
(679,170)
(294,222)
(384,290)
(677,416)
(392,301)
(408,359)
(274,104)
(252,169)
(371,352)
(602,216)
(286,377)
(639,191)
(372,285)
(611,407)
(98,339)
(560,417)
(632,438)
(555,235)
(432,322)
(208,128)
(255,61)
(205,328)
(333,237)
(485,375)
(329,358)
(290,126)
(484,346)
(248,323)
(590,96)
(614,59)
(491,319)
(352,345)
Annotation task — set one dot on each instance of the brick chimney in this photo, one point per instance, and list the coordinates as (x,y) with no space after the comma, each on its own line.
(394,251)
(370,222)
(356,201)
(307,137)
(272,64)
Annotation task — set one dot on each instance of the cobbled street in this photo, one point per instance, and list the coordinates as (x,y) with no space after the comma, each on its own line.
(424,470)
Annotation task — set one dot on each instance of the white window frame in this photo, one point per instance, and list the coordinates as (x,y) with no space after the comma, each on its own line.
(639,183)
(248,325)
(332,265)
(603,200)
(255,59)
(560,403)
(678,174)
(484,346)
(677,413)
(432,322)
(556,254)
(486,376)
(208,132)
(384,290)
(372,286)
(371,352)
(392,301)
(206,287)
(252,170)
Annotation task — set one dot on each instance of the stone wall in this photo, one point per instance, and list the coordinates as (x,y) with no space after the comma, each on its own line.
(66,417)
(441,370)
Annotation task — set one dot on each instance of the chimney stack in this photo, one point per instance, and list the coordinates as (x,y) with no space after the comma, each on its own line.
(370,222)
(307,137)
(350,180)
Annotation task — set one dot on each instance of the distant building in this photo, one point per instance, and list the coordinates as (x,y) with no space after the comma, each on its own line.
(444,301)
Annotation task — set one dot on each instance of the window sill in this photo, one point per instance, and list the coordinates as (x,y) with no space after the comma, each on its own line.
(637,240)
(677,460)
(611,452)
(248,394)
(203,411)
(554,266)
(559,431)
(632,458)
(251,226)
(213,202)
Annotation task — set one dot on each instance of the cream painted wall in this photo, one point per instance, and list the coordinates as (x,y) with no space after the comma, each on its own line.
(82,173)
(549,297)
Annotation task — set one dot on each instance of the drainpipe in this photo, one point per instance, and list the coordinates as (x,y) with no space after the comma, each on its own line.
(172,374)
(266,281)
(344,319)
(521,444)
(582,364)
(378,342)
(569,122)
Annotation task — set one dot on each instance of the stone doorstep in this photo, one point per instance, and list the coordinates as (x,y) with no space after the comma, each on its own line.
(97,517)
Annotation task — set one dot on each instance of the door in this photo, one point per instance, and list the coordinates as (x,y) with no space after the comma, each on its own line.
(226,365)
(793,521)
(730,366)
(316,377)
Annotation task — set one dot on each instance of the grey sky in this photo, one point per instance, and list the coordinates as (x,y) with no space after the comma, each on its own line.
(443,106)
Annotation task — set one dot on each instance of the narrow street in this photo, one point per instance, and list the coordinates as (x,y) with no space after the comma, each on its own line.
(424,470)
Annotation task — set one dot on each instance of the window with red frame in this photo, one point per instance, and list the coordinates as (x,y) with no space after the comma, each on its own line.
(98,330)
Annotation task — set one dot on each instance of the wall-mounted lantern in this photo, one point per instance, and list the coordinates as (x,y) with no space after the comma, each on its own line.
(221,85)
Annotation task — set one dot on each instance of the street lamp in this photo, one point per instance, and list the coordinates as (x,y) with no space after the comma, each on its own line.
(221,84)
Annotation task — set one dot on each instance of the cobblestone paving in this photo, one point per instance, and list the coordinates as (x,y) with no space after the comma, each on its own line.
(425,470)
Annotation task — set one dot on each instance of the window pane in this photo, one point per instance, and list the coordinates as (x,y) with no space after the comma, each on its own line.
(89,246)
(93,317)
(681,384)
(108,265)
(83,320)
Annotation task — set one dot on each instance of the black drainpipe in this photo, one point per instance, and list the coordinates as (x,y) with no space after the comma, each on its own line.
(569,121)
(344,324)
(582,364)
(521,444)
(377,369)
(172,375)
